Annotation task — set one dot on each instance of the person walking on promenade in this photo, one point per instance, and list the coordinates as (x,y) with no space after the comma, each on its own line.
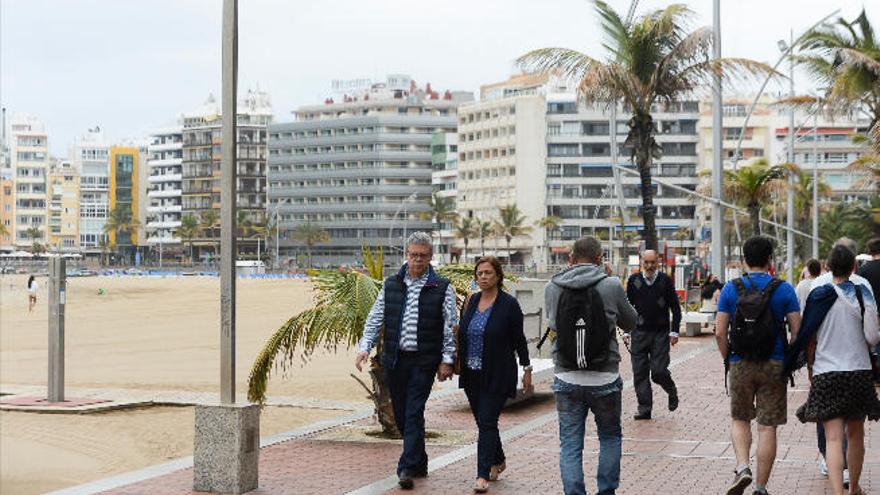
(750,331)
(841,319)
(870,271)
(32,288)
(492,333)
(584,304)
(812,270)
(418,309)
(652,293)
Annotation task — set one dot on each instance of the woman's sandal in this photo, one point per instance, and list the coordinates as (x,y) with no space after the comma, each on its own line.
(481,486)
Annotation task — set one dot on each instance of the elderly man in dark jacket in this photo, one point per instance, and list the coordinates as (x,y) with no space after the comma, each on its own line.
(652,293)
(417,308)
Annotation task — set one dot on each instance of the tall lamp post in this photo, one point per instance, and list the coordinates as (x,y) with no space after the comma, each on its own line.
(717,164)
(789,200)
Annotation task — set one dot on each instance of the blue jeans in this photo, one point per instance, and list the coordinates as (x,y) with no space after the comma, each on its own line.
(486,408)
(410,385)
(573,403)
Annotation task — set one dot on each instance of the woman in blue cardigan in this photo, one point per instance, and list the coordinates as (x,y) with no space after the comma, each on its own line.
(491,332)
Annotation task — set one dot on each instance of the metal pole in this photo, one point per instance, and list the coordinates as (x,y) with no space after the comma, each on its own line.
(816,186)
(57,286)
(717,144)
(228,179)
(277,229)
(789,221)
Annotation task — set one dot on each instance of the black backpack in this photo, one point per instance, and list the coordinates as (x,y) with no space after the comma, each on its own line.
(582,330)
(753,329)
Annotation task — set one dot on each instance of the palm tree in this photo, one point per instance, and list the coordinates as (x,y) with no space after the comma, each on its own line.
(843,220)
(681,234)
(653,59)
(33,233)
(344,299)
(510,224)
(440,210)
(310,234)
(752,186)
(464,230)
(844,57)
(549,223)
(188,231)
(483,229)
(119,220)
(4,231)
(209,220)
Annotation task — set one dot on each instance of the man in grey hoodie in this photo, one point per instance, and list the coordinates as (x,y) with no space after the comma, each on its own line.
(580,391)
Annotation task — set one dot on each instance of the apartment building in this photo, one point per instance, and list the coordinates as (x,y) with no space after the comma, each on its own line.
(359,166)
(64,201)
(165,193)
(202,139)
(90,157)
(29,153)
(7,210)
(444,164)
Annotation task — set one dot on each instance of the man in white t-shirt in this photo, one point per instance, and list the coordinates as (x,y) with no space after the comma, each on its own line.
(812,270)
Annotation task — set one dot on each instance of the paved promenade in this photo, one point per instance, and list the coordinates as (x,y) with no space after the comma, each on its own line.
(687,451)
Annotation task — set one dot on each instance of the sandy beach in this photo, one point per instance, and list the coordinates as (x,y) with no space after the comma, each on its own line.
(144,333)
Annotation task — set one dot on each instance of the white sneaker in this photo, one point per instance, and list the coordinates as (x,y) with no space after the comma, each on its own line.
(846,478)
(823,467)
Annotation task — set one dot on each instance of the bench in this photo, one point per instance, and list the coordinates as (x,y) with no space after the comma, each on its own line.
(694,322)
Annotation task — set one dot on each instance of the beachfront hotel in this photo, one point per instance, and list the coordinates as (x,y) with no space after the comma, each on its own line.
(29,153)
(202,139)
(359,165)
(165,194)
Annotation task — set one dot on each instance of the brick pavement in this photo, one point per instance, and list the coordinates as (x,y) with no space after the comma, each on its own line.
(683,452)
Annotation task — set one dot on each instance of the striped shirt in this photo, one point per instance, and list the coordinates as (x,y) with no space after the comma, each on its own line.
(409,331)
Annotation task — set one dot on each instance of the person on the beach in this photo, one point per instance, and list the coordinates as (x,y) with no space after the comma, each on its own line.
(491,334)
(652,293)
(32,288)
(841,319)
(584,303)
(750,332)
(418,310)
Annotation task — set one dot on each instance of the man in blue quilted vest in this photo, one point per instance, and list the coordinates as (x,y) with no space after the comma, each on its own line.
(417,309)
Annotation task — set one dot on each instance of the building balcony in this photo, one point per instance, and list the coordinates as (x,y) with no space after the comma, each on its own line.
(165,209)
(167,193)
(165,162)
(163,225)
(166,178)
(166,146)
(164,240)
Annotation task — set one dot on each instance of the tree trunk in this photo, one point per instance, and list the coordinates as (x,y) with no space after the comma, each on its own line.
(309,251)
(382,401)
(641,127)
(464,254)
(755,213)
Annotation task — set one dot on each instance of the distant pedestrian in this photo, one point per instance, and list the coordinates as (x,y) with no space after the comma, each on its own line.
(417,309)
(652,293)
(750,332)
(812,270)
(491,336)
(870,271)
(32,288)
(841,318)
(710,289)
(583,306)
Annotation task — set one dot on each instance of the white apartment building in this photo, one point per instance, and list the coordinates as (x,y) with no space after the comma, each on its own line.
(90,156)
(165,191)
(29,153)
(529,142)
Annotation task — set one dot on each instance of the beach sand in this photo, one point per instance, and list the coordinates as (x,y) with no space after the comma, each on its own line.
(152,334)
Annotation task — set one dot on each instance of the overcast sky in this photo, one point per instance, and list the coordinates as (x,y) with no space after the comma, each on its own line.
(134,65)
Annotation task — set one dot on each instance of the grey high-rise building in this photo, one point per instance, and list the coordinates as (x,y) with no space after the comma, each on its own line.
(358,166)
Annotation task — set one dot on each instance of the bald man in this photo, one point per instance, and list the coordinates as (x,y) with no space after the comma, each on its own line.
(653,295)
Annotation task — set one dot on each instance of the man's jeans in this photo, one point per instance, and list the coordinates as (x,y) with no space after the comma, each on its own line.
(573,402)
(410,386)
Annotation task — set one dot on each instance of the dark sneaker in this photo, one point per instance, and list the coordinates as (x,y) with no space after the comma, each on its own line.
(642,416)
(764,492)
(420,473)
(405,480)
(673,402)
(740,482)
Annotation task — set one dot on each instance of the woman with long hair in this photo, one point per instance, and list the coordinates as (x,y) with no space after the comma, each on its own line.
(32,288)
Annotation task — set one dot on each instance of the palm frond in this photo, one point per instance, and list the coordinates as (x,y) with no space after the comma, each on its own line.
(569,64)
(858,59)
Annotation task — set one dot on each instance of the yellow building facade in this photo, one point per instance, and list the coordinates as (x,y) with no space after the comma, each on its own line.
(124,187)
(63,194)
